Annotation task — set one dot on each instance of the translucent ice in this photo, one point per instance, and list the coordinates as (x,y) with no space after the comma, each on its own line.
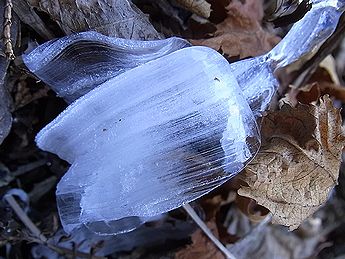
(255,76)
(75,64)
(150,139)
(165,132)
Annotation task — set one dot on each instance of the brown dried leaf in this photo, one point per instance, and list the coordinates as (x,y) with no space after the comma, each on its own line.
(306,94)
(199,7)
(118,18)
(298,163)
(327,79)
(240,34)
(202,246)
(334,90)
(323,81)
(312,92)
(211,206)
(254,212)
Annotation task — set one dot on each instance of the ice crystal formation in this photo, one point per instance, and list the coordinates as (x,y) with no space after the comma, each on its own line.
(157,124)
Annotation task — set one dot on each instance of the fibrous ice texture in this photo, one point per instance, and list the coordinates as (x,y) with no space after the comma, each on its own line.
(149,140)
(162,126)
(75,64)
(256,75)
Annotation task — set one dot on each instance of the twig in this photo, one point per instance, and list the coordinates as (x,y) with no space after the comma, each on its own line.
(29,167)
(207,231)
(7,30)
(38,236)
(24,218)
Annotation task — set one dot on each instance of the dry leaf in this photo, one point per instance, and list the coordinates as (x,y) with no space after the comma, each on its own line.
(330,66)
(327,79)
(298,163)
(199,7)
(28,16)
(271,241)
(323,81)
(334,90)
(117,18)
(240,34)
(312,92)
(202,247)
(212,206)
(254,212)
(24,95)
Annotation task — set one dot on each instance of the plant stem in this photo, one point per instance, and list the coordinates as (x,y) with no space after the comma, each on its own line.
(207,231)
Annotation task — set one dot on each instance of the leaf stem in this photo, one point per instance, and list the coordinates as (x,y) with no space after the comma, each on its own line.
(207,231)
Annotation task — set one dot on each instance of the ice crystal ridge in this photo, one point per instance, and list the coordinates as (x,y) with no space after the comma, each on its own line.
(87,59)
(164,124)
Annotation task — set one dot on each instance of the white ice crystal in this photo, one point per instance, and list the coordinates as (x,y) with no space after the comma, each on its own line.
(75,64)
(150,139)
(163,126)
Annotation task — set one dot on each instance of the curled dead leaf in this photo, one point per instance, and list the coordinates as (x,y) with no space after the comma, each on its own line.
(241,34)
(199,7)
(254,212)
(312,92)
(323,81)
(327,81)
(306,94)
(298,164)
(116,18)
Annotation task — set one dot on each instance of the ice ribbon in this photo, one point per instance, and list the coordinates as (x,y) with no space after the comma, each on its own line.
(256,76)
(75,64)
(149,138)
